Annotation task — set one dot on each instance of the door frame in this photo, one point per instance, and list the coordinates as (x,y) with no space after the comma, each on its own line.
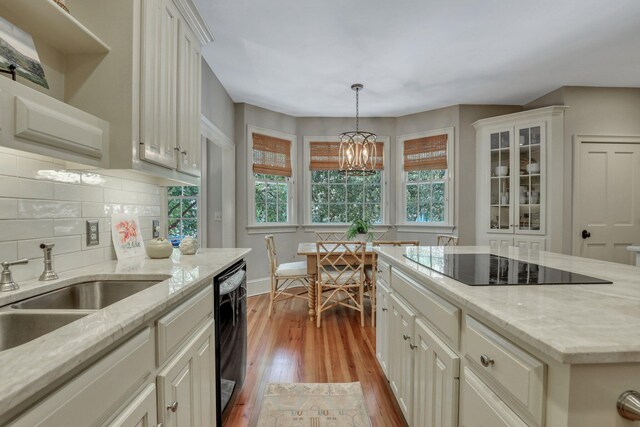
(214,135)
(578,140)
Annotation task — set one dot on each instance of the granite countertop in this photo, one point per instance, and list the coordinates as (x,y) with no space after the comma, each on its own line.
(569,323)
(28,368)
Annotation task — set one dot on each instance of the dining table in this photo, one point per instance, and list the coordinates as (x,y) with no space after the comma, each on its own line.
(310,250)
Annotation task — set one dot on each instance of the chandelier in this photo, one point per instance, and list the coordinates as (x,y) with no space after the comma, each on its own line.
(357,155)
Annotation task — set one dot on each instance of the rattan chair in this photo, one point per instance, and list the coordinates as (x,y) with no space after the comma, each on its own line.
(341,276)
(331,236)
(284,276)
(447,240)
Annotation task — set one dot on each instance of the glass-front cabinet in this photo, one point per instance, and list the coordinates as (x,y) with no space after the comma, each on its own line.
(512,203)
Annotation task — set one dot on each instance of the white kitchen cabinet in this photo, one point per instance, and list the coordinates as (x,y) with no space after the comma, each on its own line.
(186,384)
(436,380)
(520,180)
(382,325)
(522,242)
(141,412)
(401,354)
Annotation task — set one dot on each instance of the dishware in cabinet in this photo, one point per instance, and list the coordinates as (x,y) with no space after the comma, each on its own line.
(500,178)
(530,159)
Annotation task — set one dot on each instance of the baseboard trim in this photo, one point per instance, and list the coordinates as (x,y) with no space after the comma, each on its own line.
(258,287)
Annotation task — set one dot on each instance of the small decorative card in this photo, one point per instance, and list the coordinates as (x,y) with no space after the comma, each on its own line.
(127,237)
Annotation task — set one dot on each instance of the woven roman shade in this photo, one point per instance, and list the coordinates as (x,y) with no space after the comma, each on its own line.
(271,156)
(324,156)
(426,153)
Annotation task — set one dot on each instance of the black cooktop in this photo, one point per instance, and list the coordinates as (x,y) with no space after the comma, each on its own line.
(492,270)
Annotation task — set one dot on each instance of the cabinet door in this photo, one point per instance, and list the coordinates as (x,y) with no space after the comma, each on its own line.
(531,243)
(401,358)
(500,180)
(159,83)
(436,380)
(189,102)
(182,381)
(529,193)
(142,412)
(382,326)
(500,242)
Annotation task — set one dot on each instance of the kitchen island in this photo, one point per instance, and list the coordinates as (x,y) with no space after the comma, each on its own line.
(106,366)
(534,355)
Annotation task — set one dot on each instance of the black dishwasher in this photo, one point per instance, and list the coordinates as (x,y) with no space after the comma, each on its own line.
(230,302)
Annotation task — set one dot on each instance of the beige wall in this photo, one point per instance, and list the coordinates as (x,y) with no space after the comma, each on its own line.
(592,111)
(217,105)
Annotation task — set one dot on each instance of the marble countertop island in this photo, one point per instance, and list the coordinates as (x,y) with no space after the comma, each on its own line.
(573,324)
(26,369)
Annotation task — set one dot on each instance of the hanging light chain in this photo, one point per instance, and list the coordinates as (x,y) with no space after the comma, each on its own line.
(357,109)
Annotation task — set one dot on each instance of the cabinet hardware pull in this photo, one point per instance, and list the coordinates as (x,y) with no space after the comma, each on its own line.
(629,405)
(183,152)
(379,271)
(405,336)
(412,347)
(178,148)
(173,406)
(385,309)
(486,361)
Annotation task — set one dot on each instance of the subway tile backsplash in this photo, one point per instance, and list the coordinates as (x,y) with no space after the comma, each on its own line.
(40,201)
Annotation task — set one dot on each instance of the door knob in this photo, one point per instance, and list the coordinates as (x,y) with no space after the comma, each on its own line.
(585,234)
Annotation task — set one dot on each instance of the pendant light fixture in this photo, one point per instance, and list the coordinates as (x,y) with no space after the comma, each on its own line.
(357,155)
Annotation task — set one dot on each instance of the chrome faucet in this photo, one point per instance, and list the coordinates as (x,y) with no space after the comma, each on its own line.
(48,273)
(6,278)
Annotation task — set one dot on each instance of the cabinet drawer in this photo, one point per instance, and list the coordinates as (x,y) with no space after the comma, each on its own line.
(383,271)
(174,328)
(96,393)
(518,374)
(438,311)
(481,407)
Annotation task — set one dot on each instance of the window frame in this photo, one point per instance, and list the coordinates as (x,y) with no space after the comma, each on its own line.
(292,218)
(401,185)
(307,185)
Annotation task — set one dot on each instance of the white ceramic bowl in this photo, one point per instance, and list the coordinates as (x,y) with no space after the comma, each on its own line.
(533,168)
(502,170)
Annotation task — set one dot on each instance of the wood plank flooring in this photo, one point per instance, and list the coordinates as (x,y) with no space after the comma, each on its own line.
(289,348)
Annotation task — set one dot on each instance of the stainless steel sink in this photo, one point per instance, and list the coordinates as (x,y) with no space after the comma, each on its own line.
(20,327)
(92,295)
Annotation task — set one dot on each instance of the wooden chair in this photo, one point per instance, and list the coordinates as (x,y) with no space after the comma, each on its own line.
(447,240)
(341,275)
(331,236)
(371,271)
(284,276)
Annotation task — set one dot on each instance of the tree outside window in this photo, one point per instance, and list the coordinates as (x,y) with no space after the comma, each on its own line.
(182,213)
(425,196)
(271,198)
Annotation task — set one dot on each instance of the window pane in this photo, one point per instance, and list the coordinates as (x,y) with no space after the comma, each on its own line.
(337,213)
(424,213)
(272,213)
(355,179)
(282,213)
(174,191)
(412,212)
(263,177)
(173,210)
(261,213)
(372,194)
(376,178)
(437,210)
(271,194)
(337,193)
(261,188)
(190,191)
(174,228)
(412,194)
(189,208)
(319,176)
(413,176)
(282,195)
(190,227)
(354,211)
(335,176)
(354,193)
(373,212)
(319,213)
(319,193)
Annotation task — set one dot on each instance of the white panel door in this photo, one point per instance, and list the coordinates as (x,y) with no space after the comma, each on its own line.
(382,326)
(159,83)
(401,355)
(436,380)
(608,208)
(188,112)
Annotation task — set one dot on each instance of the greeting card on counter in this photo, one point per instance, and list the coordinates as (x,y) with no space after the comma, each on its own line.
(127,236)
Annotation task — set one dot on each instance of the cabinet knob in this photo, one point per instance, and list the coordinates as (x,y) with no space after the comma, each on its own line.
(173,406)
(486,361)
(385,309)
(379,271)
(405,336)
(412,347)
(629,405)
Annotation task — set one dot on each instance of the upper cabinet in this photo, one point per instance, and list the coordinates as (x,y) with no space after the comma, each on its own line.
(520,179)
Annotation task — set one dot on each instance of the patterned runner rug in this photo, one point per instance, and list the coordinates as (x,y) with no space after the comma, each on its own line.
(314,405)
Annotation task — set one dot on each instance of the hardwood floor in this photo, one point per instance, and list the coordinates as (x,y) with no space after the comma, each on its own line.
(289,348)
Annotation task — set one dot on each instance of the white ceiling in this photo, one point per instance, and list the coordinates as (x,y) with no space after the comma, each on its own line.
(300,56)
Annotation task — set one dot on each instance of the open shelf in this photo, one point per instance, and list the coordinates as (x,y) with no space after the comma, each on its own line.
(46,20)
